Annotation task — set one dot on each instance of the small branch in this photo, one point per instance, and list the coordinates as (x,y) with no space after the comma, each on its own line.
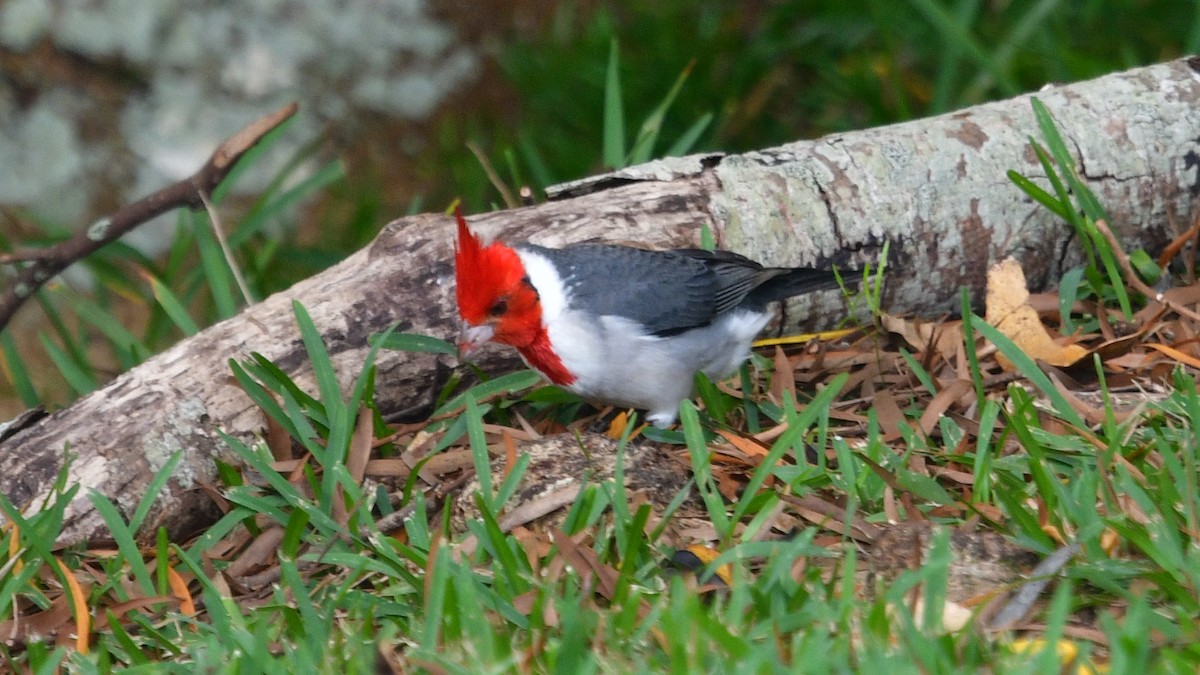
(1173,249)
(509,200)
(219,232)
(27,255)
(1134,280)
(189,192)
(1131,277)
(1016,608)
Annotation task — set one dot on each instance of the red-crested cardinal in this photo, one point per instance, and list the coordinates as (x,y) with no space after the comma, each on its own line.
(617,324)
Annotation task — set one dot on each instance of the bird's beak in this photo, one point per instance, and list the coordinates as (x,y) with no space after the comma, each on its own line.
(470,338)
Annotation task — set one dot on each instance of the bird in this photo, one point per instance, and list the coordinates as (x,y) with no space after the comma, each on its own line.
(617,324)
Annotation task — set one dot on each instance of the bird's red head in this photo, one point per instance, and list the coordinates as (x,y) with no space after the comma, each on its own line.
(495,299)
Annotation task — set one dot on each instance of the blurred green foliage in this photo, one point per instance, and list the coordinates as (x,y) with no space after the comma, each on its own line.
(773,72)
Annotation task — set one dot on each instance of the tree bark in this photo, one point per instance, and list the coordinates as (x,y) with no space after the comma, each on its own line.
(935,189)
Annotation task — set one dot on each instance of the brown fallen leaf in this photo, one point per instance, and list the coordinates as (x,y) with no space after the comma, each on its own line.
(942,402)
(1175,354)
(1008,310)
(889,415)
(943,336)
(603,578)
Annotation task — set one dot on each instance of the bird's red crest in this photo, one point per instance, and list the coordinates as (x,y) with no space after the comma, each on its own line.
(493,290)
(485,274)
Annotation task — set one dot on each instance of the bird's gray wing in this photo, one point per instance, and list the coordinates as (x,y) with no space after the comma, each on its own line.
(737,275)
(745,283)
(665,291)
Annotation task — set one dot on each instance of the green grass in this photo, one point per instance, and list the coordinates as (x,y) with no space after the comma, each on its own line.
(610,601)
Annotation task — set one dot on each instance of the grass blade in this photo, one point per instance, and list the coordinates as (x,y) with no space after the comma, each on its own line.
(1029,370)
(505,384)
(128,349)
(412,342)
(173,307)
(125,537)
(14,370)
(153,489)
(643,145)
(479,453)
(80,380)
(956,33)
(684,144)
(1040,196)
(255,223)
(216,270)
(614,117)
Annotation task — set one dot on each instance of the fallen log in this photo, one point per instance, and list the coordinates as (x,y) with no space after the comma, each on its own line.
(936,190)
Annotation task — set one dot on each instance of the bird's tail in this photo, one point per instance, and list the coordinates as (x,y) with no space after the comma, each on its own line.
(789,282)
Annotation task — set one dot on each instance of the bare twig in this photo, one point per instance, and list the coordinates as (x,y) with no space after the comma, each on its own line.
(1131,276)
(1178,244)
(506,194)
(26,255)
(214,219)
(1134,280)
(1016,608)
(189,192)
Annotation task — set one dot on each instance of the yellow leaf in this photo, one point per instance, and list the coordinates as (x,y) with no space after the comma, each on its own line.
(1008,310)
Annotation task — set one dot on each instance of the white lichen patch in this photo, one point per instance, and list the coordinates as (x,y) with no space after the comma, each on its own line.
(183,427)
(98,230)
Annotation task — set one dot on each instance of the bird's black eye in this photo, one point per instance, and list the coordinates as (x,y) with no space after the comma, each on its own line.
(499,307)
